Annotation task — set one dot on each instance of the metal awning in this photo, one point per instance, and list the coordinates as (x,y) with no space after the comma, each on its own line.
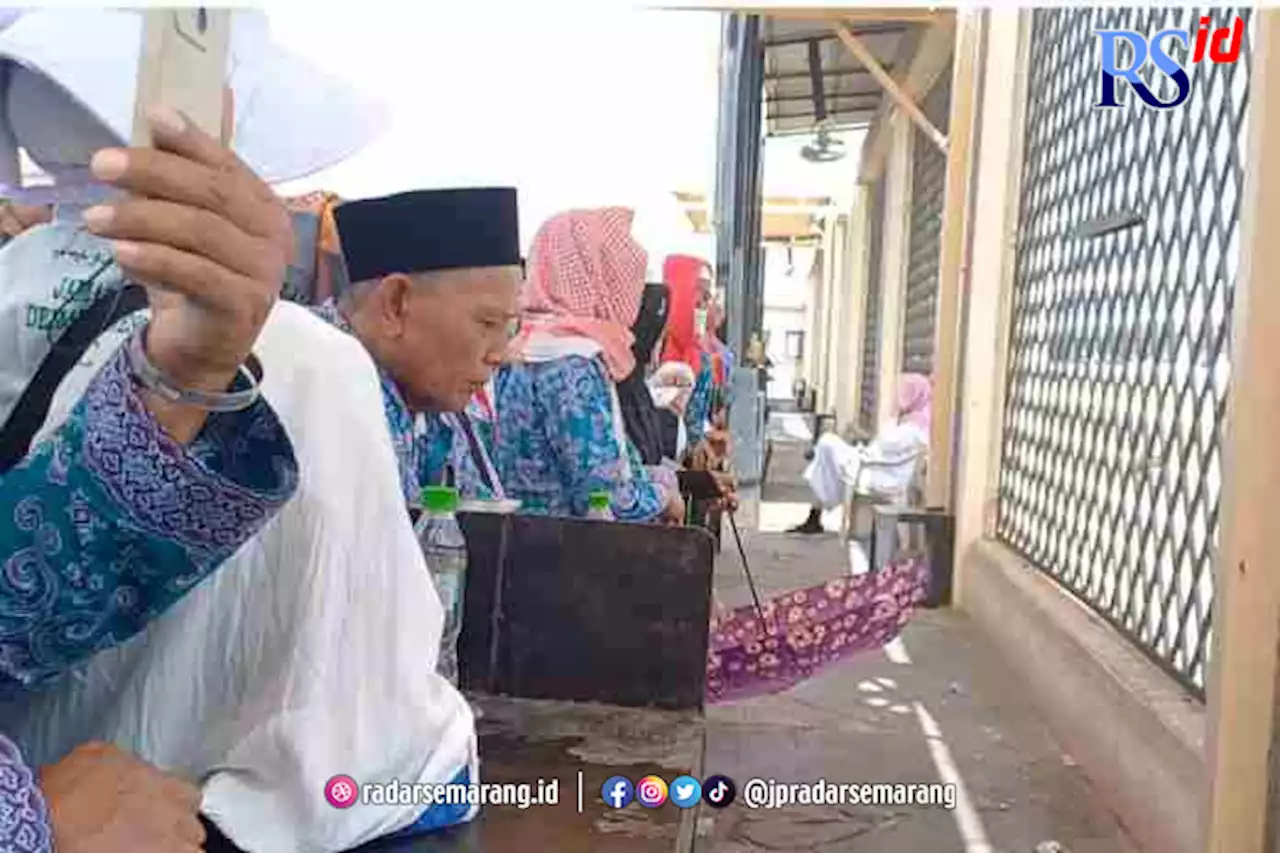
(811,79)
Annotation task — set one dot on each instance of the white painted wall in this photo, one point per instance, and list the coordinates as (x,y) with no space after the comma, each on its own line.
(788,292)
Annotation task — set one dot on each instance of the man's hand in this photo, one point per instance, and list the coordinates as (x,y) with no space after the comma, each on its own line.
(673,513)
(210,241)
(720,442)
(103,800)
(728,486)
(16,218)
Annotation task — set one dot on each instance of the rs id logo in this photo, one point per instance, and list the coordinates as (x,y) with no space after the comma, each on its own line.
(1222,44)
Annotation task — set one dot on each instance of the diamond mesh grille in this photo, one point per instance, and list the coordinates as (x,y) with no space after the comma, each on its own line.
(928,191)
(871,311)
(1118,364)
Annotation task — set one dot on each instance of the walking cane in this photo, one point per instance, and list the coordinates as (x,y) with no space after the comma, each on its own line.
(746,568)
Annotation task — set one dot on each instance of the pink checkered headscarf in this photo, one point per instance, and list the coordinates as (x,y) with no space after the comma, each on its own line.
(585,279)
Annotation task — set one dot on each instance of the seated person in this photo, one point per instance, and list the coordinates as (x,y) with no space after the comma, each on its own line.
(439,336)
(884,466)
(561,431)
(321,633)
(639,399)
(639,410)
(98,797)
(450,444)
(690,284)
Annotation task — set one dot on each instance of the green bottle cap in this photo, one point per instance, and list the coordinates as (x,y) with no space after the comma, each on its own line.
(440,499)
(599,500)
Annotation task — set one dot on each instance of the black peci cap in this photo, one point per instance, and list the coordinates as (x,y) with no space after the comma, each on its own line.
(428,230)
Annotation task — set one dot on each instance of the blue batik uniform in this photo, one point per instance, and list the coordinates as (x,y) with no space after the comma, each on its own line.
(560,443)
(107,524)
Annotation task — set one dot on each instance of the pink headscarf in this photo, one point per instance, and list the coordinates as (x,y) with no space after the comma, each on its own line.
(585,279)
(915,396)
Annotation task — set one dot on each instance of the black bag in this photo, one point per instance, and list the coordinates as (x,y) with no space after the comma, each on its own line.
(33,407)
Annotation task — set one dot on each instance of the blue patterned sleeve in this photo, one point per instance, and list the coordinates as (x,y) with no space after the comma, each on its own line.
(24,815)
(579,426)
(109,522)
(698,412)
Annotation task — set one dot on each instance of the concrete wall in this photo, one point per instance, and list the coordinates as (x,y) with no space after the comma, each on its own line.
(1139,737)
(1183,776)
(1136,733)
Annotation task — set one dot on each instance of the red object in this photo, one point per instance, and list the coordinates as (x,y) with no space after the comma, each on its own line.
(681,274)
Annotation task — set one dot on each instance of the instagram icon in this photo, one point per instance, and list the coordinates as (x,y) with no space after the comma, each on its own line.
(651,791)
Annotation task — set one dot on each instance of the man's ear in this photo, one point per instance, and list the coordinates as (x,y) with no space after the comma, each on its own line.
(396,291)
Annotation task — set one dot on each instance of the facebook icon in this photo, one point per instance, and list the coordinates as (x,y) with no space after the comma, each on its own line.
(618,791)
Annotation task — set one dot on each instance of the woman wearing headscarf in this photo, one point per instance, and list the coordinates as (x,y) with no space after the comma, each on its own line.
(690,288)
(639,410)
(884,466)
(559,415)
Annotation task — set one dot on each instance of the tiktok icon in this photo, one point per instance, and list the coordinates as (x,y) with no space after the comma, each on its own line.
(719,791)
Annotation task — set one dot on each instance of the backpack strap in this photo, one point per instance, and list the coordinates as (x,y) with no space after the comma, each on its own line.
(33,407)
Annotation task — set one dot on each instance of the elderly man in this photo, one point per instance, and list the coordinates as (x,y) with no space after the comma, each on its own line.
(436,277)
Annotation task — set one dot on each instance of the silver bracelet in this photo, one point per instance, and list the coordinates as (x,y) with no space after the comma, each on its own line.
(151,378)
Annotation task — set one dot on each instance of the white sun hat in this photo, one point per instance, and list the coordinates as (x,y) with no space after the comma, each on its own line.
(291,119)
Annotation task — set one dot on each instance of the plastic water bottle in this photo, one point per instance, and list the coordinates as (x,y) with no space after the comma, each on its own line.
(445,550)
(598,506)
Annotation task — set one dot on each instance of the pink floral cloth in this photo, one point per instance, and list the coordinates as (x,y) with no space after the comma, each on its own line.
(809,629)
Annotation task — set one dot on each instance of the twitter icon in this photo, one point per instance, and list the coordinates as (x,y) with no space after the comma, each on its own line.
(686,792)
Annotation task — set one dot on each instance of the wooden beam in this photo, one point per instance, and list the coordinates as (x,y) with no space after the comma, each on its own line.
(989,282)
(850,12)
(899,95)
(859,16)
(1243,676)
(925,63)
(955,228)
